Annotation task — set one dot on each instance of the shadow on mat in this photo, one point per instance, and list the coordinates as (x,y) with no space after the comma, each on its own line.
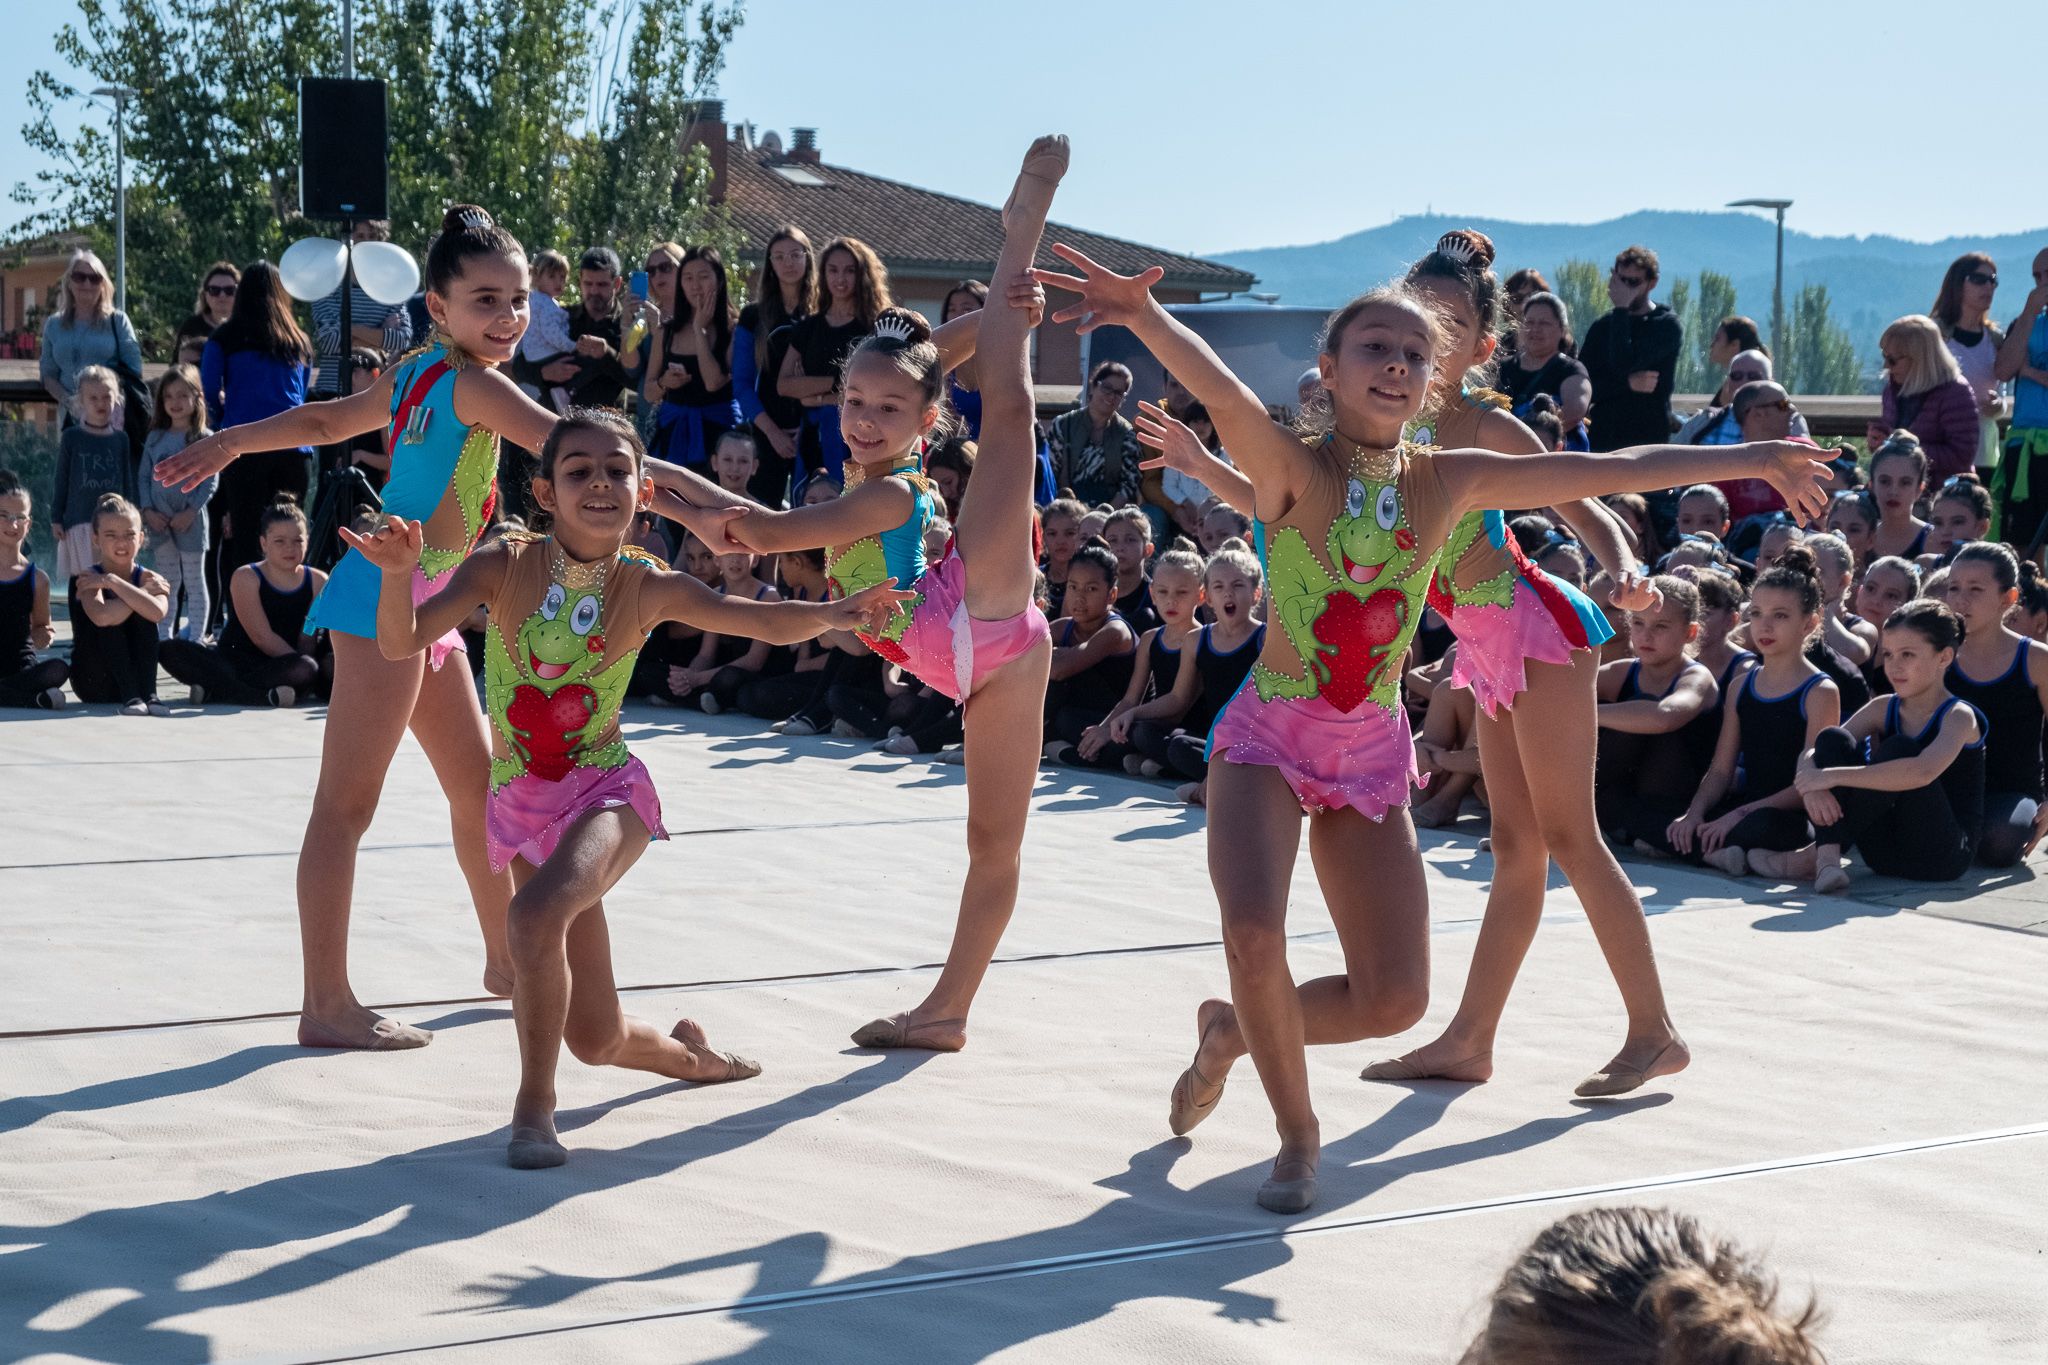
(1826,912)
(22,1111)
(1124,1250)
(179,1257)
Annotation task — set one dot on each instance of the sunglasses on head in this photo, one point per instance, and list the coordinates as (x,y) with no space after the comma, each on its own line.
(1981,277)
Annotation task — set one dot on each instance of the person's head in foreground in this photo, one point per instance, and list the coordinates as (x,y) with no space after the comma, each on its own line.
(1637,1286)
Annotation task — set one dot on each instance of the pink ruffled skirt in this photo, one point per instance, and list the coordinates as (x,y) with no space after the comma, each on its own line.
(1544,623)
(527,815)
(951,651)
(1365,760)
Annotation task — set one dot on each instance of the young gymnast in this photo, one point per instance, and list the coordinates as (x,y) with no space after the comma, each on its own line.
(1176,593)
(1353,524)
(1903,779)
(445,405)
(570,808)
(1647,770)
(115,605)
(1898,476)
(2005,676)
(975,633)
(1961,513)
(265,651)
(1748,800)
(25,630)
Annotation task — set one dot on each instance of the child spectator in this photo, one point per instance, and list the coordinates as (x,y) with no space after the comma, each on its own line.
(1898,476)
(1060,536)
(1747,800)
(1903,781)
(801,575)
(1779,535)
(2005,676)
(2029,615)
(1093,652)
(547,338)
(265,655)
(1223,654)
(725,663)
(1187,497)
(1850,642)
(1092,523)
(175,520)
(115,605)
(938,534)
(1632,510)
(1852,515)
(1446,745)
(92,461)
(673,643)
(1646,771)
(24,610)
(1128,534)
(1635,1286)
(1889,582)
(819,487)
(1563,558)
(1176,591)
(734,461)
(949,466)
(1703,507)
(1220,523)
(1961,514)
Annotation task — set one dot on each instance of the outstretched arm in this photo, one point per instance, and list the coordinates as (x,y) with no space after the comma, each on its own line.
(1271,456)
(867,510)
(316,424)
(679,597)
(1179,448)
(1483,478)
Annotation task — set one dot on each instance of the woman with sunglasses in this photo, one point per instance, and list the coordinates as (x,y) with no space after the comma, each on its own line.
(88,330)
(1094,448)
(216,300)
(1962,309)
(1925,393)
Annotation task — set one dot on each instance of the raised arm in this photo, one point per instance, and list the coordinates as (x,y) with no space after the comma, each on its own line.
(1271,456)
(1180,449)
(2012,352)
(488,399)
(1483,478)
(402,629)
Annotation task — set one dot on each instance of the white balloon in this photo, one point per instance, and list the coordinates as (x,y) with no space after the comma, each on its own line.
(386,272)
(312,268)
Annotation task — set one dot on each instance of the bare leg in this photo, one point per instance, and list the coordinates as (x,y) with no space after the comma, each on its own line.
(1002,722)
(450,728)
(373,697)
(993,531)
(1550,735)
(1447,725)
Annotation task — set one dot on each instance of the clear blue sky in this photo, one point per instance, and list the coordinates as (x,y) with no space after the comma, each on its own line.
(1205,125)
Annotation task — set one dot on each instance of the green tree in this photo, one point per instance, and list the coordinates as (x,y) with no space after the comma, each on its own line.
(506,103)
(1583,287)
(1700,305)
(1819,355)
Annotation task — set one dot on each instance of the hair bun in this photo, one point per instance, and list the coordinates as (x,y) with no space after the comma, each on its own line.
(1800,560)
(904,326)
(467,218)
(285,498)
(1467,246)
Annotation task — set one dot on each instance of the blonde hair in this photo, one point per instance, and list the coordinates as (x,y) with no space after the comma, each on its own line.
(1235,554)
(113,505)
(550,261)
(1183,555)
(105,309)
(1633,1285)
(1929,362)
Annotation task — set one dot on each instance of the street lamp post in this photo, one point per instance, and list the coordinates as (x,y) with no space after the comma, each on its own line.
(1778,281)
(120,94)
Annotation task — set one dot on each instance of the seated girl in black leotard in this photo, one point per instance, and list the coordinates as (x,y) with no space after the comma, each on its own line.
(1092,655)
(1646,771)
(1722,600)
(24,610)
(2005,676)
(1747,800)
(264,654)
(1898,478)
(115,607)
(1176,592)
(1888,583)
(1903,781)
(1961,513)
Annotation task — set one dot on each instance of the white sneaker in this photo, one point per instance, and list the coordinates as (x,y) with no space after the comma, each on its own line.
(52,699)
(797,725)
(138,707)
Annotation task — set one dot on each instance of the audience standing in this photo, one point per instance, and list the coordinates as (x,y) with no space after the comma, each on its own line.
(1925,393)
(1631,357)
(256,365)
(854,293)
(216,300)
(2020,485)
(1543,364)
(87,331)
(370,323)
(785,294)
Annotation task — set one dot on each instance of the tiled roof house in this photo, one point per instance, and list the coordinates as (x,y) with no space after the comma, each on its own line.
(927,239)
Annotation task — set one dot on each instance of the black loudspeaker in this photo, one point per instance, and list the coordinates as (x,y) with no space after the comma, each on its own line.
(342,153)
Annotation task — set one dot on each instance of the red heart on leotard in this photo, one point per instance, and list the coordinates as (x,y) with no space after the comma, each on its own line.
(1359,629)
(549,721)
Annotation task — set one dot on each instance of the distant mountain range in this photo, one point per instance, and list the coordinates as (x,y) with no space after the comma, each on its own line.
(1870,280)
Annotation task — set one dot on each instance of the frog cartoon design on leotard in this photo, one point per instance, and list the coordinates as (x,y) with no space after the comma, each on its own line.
(1349,628)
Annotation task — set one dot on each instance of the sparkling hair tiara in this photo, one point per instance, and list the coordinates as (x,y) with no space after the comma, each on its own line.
(1456,246)
(893,328)
(474,218)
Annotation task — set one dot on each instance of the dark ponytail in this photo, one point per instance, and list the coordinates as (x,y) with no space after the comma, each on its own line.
(466,232)
(1464,256)
(2033,588)
(903,337)
(284,508)
(2005,566)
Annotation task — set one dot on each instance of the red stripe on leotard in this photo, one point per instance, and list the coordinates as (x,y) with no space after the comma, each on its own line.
(1556,603)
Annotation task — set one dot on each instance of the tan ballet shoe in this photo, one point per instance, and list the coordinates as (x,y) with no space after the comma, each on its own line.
(1401,1069)
(1621,1080)
(1289,1196)
(533,1150)
(386,1035)
(897,1031)
(1182,1113)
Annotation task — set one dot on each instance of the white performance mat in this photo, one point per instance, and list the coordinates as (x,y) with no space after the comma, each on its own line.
(179,1182)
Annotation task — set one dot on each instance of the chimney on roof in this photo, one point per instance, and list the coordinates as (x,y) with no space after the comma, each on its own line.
(706,128)
(803,145)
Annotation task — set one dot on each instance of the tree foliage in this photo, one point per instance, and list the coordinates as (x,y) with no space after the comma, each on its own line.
(560,116)
(1701,306)
(1583,287)
(1820,356)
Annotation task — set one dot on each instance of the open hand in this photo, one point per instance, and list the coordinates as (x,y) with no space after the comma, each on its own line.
(869,609)
(196,463)
(1800,473)
(1178,446)
(1120,727)
(394,547)
(1715,833)
(1026,293)
(1106,297)
(1635,592)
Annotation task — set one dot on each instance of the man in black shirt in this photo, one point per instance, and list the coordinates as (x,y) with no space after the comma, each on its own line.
(595,375)
(1631,355)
